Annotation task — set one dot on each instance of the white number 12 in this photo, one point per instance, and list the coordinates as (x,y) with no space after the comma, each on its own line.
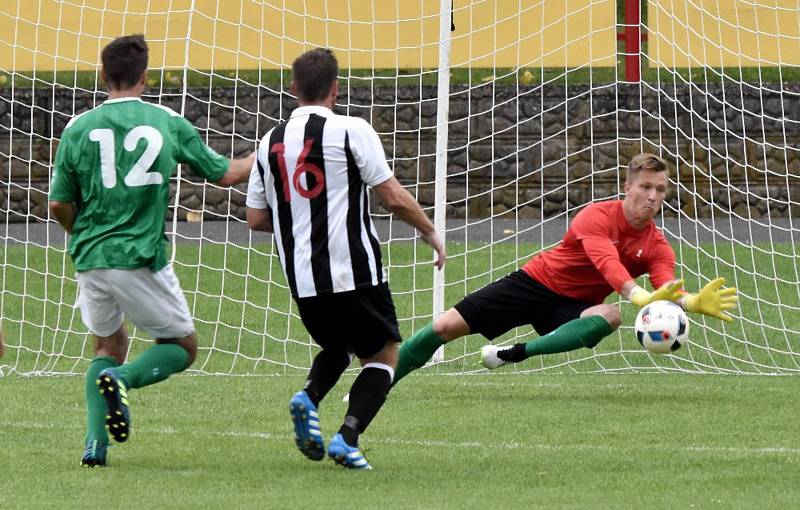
(138,174)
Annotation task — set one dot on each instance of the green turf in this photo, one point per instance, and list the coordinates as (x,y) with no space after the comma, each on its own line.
(172,81)
(248,324)
(488,441)
(553,439)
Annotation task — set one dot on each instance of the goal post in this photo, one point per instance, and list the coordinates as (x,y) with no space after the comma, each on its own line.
(440,188)
(502,128)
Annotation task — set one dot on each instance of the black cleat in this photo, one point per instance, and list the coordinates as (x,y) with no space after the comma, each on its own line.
(94,454)
(118,415)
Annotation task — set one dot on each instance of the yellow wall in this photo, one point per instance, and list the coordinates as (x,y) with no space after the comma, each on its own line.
(248,34)
(724,33)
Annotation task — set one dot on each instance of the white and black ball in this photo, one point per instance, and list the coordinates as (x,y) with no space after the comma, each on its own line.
(662,327)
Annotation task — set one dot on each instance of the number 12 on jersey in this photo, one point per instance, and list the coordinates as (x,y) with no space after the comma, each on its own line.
(138,174)
(303,167)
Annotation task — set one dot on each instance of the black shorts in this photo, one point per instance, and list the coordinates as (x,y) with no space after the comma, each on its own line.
(360,321)
(517,300)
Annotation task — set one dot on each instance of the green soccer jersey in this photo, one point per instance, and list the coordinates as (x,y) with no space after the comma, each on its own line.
(114,164)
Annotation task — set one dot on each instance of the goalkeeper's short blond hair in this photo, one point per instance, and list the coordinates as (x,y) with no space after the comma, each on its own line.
(645,161)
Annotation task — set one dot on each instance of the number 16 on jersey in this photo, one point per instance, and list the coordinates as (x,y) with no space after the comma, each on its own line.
(303,167)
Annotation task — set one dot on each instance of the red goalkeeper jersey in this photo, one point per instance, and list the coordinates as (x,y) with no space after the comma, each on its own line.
(600,252)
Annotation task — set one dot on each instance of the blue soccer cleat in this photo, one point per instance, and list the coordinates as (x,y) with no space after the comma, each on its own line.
(307,435)
(346,455)
(118,415)
(94,454)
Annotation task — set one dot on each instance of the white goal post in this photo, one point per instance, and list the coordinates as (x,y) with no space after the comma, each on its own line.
(504,118)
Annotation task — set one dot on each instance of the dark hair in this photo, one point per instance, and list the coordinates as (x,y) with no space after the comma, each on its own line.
(124,61)
(644,161)
(314,72)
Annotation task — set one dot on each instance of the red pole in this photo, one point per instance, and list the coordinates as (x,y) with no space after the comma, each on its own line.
(632,40)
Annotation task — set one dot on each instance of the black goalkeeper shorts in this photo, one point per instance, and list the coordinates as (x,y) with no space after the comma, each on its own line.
(517,300)
(360,321)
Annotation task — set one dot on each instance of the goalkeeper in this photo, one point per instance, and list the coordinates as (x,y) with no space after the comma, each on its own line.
(560,292)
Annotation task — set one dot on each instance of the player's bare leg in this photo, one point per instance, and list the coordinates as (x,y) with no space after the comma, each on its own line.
(110,352)
(417,350)
(609,312)
(450,326)
(593,325)
(367,395)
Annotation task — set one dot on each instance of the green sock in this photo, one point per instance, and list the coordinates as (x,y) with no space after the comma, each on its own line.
(95,403)
(416,351)
(154,365)
(583,332)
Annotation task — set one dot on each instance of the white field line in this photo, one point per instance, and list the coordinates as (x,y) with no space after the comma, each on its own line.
(436,443)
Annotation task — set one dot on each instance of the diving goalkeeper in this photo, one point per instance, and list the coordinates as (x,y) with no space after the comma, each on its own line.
(560,292)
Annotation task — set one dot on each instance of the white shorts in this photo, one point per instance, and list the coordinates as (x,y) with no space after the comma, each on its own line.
(152,301)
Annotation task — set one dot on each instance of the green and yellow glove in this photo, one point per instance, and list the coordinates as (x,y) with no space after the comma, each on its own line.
(712,300)
(670,291)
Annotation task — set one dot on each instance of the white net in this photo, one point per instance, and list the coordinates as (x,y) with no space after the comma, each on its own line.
(536,113)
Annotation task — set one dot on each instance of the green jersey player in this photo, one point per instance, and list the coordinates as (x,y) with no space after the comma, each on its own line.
(109,191)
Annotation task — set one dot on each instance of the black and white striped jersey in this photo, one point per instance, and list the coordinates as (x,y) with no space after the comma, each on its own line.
(312,171)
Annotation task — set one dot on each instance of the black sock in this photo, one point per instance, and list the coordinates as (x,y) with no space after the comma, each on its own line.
(326,369)
(349,430)
(514,354)
(366,398)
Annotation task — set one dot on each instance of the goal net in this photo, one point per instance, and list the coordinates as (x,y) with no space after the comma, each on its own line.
(503,118)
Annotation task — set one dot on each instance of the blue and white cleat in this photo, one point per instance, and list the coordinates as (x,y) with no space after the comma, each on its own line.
(94,454)
(346,455)
(307,435)
(118,415)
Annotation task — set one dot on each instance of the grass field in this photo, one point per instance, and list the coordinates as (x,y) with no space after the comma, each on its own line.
(487,441)
(163,81)
(552,438)
(248,324)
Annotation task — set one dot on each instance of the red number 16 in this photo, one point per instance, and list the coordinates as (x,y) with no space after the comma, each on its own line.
(301,168)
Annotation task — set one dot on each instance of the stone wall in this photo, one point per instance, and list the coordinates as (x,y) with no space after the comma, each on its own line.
(529,151)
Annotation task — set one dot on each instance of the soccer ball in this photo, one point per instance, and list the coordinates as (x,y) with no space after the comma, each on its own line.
(662,327)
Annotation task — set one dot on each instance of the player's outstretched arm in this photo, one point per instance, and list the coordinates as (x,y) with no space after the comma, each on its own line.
(238,171)
(670,291)
(398,200)
(712,300)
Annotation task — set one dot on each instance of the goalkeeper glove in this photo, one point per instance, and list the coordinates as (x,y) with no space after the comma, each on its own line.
(670,291)
(712,300)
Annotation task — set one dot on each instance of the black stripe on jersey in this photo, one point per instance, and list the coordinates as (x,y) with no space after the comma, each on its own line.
(261,173)
(284,207)
(355,187)
(373,241)
(320,255)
